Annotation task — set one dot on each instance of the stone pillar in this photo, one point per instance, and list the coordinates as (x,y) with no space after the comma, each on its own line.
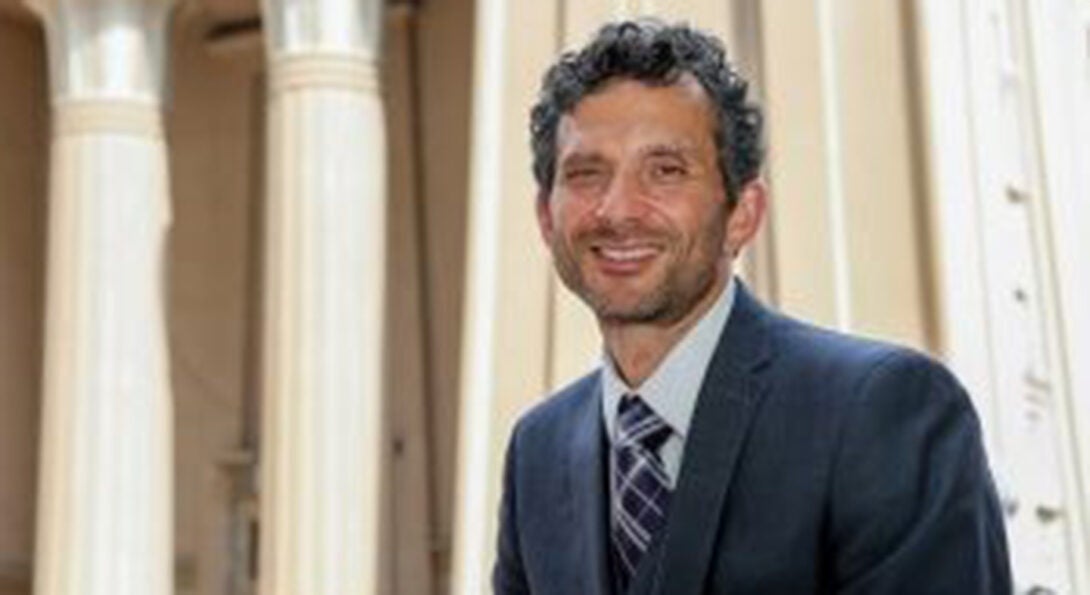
(321,447)
(105,494)
(506,321)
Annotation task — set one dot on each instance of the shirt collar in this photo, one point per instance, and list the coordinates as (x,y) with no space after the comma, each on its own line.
(672,389)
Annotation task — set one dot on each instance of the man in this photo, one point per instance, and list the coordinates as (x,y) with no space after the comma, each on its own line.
(721,447)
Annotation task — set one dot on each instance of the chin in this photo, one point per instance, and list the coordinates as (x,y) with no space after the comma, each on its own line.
(636,311)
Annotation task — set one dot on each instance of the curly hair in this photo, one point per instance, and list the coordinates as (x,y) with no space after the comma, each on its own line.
(655,53)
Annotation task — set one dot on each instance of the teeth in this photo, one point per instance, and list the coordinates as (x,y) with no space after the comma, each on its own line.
(634,253)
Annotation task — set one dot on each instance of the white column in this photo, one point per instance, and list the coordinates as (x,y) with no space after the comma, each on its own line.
(321,450)
(506,322)
(104,507)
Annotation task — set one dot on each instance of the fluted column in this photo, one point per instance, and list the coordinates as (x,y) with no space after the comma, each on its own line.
(321,460)
(104,507)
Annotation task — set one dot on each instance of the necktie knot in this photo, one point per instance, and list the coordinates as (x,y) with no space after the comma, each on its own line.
(638,424)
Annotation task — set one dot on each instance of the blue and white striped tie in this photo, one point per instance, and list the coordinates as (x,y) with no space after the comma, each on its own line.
(641,489)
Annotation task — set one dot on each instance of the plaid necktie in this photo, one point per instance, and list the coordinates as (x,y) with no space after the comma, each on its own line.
(641,489)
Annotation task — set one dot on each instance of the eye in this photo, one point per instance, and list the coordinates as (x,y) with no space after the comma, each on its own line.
(583,175)
(668,171)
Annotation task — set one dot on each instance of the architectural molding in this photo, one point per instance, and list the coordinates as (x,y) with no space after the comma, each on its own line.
(78,117)
(350,72)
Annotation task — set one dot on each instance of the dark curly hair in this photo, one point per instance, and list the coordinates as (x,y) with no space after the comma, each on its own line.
(655,53)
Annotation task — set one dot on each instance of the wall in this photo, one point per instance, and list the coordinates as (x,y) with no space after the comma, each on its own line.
(848,218)
(23,155)
(214,125)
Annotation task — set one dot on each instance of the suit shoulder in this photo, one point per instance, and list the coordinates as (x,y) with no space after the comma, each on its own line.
(561,406)
(860,365)
(797,338)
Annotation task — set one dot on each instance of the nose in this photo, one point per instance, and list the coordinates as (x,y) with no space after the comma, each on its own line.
(622,199)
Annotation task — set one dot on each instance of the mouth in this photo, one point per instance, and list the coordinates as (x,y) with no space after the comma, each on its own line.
(624,259)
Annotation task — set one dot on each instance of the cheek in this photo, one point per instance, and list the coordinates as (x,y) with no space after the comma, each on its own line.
(573,219)
(685,217)
(707,230)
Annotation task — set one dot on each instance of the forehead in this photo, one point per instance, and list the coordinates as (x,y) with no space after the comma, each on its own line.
(628,111)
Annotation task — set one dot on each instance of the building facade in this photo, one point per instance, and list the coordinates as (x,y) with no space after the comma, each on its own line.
(272,293)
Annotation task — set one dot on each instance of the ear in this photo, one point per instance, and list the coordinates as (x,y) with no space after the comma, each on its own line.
(746,217)
(544,217)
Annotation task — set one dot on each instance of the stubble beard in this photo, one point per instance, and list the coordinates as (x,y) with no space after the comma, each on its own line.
(684,284)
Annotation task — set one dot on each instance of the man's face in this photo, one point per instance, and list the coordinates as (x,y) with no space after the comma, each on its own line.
(637,216)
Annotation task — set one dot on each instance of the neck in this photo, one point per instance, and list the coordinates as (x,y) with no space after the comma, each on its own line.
(637,349)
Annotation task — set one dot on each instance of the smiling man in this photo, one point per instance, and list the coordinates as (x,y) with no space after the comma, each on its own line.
(721,447)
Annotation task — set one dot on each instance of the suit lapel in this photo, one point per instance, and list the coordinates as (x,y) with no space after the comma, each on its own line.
(725,409)
(590,493)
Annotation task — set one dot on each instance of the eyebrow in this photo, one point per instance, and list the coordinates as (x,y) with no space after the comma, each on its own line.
(668,150)
(581,158)
(655,150)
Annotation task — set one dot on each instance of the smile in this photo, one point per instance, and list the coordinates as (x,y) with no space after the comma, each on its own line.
(626,254)
(624,259)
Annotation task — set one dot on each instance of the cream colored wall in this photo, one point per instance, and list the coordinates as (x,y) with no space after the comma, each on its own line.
(439,36)
(213,130)
(887,231)
(850,240)
(23,151)
(407,569)
(426,65)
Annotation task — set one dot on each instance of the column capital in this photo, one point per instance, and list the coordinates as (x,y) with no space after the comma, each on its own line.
(74,117)
(306,26)
(324,70)
(106,49)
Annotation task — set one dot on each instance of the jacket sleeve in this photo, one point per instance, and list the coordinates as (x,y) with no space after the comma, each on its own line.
(913,505)
(508,575)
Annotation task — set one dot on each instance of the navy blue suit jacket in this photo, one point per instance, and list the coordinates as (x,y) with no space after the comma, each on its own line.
(815,463)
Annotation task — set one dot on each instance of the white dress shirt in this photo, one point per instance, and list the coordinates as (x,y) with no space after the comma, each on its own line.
(672,389)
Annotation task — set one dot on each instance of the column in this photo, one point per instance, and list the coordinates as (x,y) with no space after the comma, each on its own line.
(1003,126)
(104,507)
(321,446)
(506,323)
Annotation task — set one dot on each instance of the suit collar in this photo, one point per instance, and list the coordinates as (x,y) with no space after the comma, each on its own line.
(729,398)
(745,345)
(589,495)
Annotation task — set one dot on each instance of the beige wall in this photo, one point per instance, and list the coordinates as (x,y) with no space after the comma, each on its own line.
(23,151)
(888,234)
(213,130)
(443,50)
(850,238)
